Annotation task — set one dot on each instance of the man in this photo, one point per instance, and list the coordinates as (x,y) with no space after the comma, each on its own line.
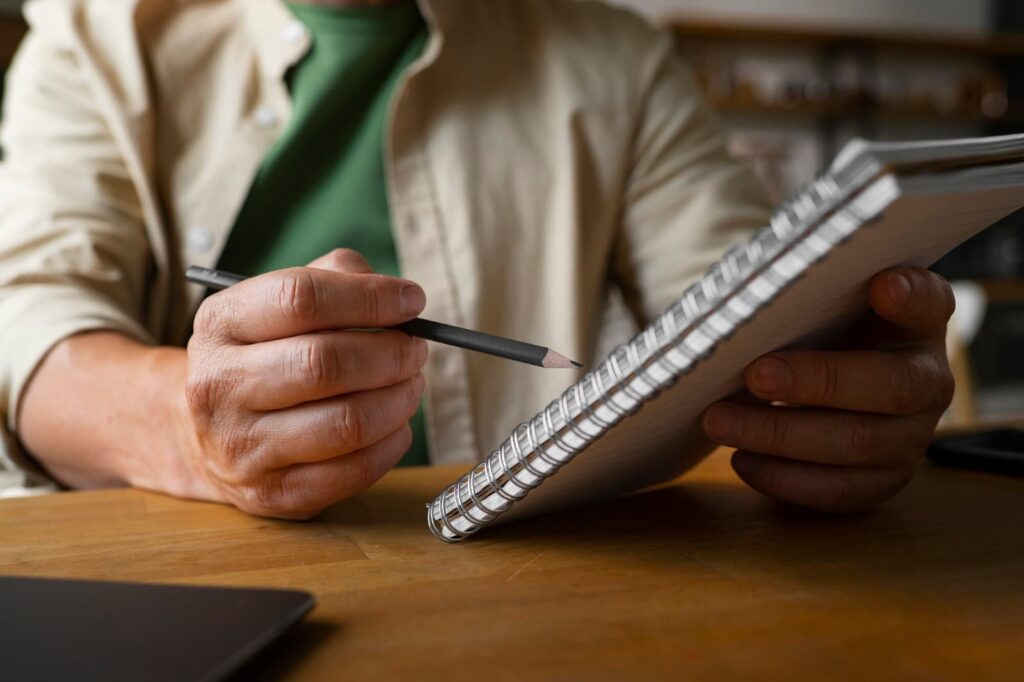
(520,163)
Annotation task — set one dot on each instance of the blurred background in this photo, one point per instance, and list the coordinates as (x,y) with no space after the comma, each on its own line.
(795,79)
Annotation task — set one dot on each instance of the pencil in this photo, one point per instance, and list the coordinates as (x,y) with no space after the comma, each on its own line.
(498,346)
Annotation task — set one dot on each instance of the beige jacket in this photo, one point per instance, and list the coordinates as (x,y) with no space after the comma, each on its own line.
(543,157)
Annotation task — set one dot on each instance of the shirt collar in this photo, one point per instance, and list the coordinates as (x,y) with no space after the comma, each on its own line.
(282,40)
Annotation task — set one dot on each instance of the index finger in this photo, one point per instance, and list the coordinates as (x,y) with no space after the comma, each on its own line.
(296,301)
(916,301)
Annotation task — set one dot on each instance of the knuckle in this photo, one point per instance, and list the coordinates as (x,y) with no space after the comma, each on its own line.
(202,394)
(265,496)
(350,425)
(776,430)
(209,389)
(347,259)
(339,258)
(237,445)
(404,357)
(369,298)
(910,381)
(318,362)
(209,319)
(362,473)
(342,260)
(828,378)
(297,295)
(858,442)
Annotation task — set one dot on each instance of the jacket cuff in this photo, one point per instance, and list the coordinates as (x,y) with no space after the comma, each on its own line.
(19,475)
(34,318)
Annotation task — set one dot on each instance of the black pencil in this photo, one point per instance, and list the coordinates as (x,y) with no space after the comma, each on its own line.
(480,342)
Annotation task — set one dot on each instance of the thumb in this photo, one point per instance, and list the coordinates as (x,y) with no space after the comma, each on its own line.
(343,260)
(918,303)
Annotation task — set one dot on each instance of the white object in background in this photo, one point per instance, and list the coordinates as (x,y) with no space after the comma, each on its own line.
(971,304)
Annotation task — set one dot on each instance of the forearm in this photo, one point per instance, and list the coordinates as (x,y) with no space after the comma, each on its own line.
(103,409)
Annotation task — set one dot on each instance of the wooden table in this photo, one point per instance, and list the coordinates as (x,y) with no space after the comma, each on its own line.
(703,579)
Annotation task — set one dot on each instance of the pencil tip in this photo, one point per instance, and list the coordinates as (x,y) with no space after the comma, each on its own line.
(553,360)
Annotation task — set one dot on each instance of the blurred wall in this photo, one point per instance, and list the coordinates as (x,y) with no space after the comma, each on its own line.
(960,16)
(966,16)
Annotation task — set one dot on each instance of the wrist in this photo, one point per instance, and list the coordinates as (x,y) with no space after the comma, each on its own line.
(101,411)
(171,452)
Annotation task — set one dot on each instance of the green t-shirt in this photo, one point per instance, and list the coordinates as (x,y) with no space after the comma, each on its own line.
(322,184)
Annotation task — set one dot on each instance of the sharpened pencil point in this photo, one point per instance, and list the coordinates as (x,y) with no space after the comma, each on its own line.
(553,360)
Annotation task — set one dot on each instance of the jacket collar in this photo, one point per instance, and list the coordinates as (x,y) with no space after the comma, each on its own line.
(282,41)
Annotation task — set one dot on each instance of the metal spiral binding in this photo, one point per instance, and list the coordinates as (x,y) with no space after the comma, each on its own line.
(711,309)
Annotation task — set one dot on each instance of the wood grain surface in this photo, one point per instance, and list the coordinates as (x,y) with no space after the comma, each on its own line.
(703,579)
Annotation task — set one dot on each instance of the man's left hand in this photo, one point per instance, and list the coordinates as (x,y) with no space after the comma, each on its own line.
(846,429)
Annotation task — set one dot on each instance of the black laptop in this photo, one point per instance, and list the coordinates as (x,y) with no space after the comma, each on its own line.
(84,630)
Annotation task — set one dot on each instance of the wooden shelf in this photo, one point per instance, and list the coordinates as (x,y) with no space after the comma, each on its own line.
(1015,114)
(996,45)
(1003,290)
(846,109)
(747,108)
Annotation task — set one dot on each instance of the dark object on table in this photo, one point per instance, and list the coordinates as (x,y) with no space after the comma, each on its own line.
(86,630)
(1000,451)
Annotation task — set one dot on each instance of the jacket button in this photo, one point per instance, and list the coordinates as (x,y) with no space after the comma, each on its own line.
(199,239)
(293,32)
(266,118)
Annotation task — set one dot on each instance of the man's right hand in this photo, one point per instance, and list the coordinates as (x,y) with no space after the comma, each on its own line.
(289,403)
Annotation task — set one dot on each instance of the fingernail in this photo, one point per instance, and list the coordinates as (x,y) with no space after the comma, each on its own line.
(421,352)
(420,382)
(720,422)
(899,288)
(413,300)
(771,375)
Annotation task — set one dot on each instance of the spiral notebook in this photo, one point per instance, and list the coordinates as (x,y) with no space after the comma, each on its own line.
(631,422)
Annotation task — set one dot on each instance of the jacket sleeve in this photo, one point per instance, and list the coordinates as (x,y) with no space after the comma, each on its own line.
(73,252)
(686,200)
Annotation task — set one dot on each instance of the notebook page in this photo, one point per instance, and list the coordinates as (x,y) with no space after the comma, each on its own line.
(859,152)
